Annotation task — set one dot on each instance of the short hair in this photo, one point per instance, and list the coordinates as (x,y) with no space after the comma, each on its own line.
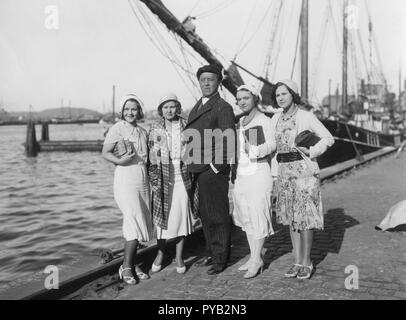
(256,98)
(140,114)
(296,98)
(178,107)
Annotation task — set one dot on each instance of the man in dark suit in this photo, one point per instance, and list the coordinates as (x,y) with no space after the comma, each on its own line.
(209,153)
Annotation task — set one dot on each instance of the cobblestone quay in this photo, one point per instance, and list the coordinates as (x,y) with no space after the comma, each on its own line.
(352,259)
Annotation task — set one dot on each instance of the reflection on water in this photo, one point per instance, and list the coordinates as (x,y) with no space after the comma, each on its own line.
(55,207)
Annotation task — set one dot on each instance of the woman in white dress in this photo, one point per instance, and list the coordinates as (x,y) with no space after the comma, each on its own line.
(253,186)
(131,183)
(174,200)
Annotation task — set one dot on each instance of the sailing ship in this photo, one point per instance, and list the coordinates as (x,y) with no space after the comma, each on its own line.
(353,138)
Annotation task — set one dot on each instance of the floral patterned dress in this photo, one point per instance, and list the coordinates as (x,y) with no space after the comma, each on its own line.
(298,196)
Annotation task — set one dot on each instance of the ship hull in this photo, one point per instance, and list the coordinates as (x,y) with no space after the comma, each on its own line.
(352,142)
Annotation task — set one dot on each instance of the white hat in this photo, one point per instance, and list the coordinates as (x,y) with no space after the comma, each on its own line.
(167,97)
(251,89)
(291,84)
(130,96)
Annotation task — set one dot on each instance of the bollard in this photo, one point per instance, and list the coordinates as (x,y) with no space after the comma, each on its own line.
(31,144)
(45,132)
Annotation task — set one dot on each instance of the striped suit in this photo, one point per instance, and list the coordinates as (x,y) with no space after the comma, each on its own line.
(216,113)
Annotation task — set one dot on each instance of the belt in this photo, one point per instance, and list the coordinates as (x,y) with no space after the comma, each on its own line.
(288,157)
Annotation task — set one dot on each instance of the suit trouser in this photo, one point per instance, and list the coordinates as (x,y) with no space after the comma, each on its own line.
(215,214)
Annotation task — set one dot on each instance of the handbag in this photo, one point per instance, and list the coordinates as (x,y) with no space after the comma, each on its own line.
(122,147)
(312,166)
(306,139)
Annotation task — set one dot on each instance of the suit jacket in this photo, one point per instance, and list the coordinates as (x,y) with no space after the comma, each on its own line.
(211,135)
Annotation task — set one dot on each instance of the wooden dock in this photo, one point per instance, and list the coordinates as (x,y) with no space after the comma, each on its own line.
(89,268)
(71,145)
(32,146)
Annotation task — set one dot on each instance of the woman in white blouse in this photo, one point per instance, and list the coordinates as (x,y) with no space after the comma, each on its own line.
(253,185)
(298,203)
(131,183)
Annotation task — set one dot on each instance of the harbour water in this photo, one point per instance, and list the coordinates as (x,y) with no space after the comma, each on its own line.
(55,207)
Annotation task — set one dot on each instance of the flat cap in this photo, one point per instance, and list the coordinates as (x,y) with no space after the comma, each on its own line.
(210,68)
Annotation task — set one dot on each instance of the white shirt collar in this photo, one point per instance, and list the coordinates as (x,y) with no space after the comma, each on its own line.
(205,99)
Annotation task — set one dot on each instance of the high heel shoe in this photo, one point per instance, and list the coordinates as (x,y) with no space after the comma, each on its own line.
(126,279)
(254,269)
(305,272)
(141,275)
(293,271)
(155,268)
(245,266)
(180,269)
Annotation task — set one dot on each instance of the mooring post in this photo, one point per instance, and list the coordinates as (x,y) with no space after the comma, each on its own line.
(45,132)
(31,144)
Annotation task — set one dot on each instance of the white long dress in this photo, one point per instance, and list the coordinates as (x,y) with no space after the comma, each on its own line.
(253,186)
(131,183)
(180,218)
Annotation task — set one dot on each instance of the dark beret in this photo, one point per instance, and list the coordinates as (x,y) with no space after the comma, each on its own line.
(210,68)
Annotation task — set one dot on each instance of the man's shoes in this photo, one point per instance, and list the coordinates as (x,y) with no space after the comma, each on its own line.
(205,261)
(215,269)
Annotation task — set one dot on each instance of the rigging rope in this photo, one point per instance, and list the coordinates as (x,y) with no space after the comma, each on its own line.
(282,40)
(319,53)
(214,10)
(159,45)
(274,29)
(363,55)
(255,32)
(378,56)
(354,64)
(194,7)
(296,48)
(245,30)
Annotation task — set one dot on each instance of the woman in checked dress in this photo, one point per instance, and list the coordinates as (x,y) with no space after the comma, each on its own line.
(174,200)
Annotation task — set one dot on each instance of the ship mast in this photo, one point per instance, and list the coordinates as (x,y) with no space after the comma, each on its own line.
(304,48)
(174,25)
(345,57)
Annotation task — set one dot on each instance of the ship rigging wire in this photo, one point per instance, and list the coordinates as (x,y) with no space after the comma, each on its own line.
(256,30)
(216,9)
(162,46)
(273,32)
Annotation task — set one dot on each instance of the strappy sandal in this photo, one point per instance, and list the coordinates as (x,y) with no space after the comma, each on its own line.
(293,271)
(141,275)
(305,272)
(126,279)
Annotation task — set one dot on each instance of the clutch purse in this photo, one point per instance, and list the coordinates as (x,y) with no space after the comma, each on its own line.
(255,135)
(122,147)
(306,139)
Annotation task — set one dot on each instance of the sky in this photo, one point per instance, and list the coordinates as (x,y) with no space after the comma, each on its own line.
(77,50)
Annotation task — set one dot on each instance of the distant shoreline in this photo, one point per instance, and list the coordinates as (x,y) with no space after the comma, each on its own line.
(13,123)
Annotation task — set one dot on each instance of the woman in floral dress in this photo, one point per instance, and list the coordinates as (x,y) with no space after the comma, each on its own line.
(298,194)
